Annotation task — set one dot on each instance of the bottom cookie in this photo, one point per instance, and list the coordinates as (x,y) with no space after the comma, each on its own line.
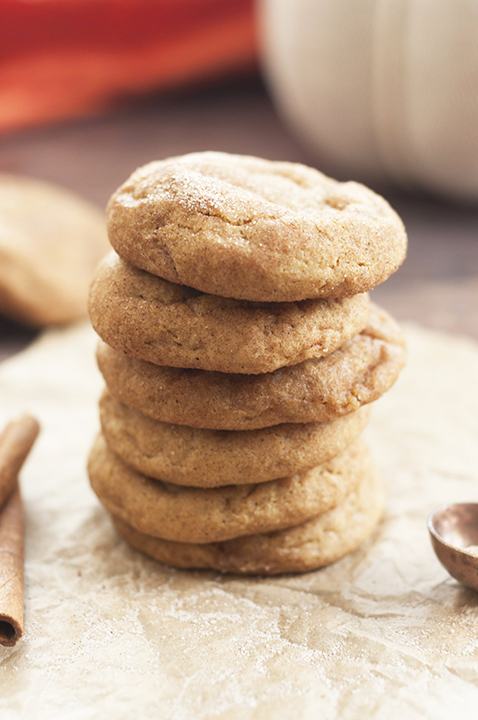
(308,546)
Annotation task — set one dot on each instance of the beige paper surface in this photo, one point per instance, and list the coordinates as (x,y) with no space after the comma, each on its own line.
(384,633)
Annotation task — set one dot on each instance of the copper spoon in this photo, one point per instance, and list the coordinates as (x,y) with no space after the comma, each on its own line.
(454,534)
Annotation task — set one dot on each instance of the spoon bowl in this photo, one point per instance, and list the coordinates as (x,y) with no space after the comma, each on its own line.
(454,534)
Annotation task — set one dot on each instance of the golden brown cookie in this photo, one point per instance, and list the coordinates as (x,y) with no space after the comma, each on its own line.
(253,229)
(50,243)
(211,458)
(167,324)
(313,544)
(198,515)
(313,391)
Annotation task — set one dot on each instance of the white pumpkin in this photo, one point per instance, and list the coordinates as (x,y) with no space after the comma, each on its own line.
(381,89)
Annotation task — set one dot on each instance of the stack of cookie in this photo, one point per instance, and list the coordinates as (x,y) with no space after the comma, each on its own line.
(240,353)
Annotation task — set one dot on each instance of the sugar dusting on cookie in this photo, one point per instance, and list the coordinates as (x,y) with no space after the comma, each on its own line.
(254,229)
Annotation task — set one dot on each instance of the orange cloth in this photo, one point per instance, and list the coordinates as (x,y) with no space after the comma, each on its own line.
(61,58)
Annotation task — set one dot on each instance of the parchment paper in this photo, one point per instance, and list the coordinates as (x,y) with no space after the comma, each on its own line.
(384,633)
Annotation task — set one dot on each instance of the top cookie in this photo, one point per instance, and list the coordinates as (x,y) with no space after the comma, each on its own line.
(253,229)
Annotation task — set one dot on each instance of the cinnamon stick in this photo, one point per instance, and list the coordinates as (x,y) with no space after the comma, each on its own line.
(11,570)
(15,443)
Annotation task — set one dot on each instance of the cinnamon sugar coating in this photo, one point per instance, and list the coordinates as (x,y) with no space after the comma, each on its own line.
(212,458)
(308,546)
(248,228)
(153,319)
(316,390)
(201,515)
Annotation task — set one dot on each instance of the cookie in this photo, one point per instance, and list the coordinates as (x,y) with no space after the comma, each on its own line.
(50,243)
(198,515)
(313,391)
(253,229)
(211,458)
(308,546)
(153,319)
